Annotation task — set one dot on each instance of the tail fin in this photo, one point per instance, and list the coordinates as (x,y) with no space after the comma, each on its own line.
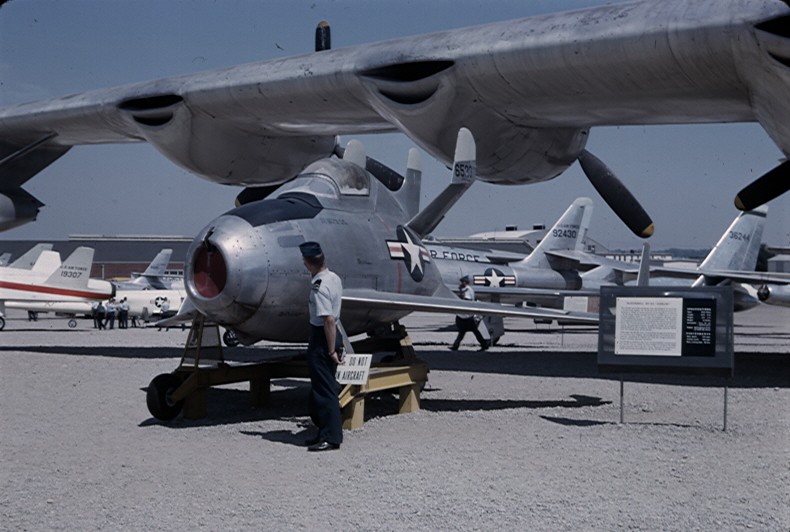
(464,174)
(409,193)
(159,264)
(75,270)
(29,258)
(738,247)
(4,258)
(568,233)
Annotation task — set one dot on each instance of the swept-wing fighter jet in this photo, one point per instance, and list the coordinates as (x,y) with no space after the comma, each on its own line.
(153,278)
(245,272)
(50,281)
(530,90)
(539,269)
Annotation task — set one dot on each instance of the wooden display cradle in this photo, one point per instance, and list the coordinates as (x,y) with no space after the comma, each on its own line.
(203,365)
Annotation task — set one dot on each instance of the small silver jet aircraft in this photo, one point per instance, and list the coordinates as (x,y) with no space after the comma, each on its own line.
(50,281)
(153,278)
(245,272)
(539,269)
(530,90)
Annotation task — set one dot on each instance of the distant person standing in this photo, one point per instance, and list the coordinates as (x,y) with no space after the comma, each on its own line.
(95,314)
(101,315)
(467,322)
(112,309)
(324,349)
(123,314)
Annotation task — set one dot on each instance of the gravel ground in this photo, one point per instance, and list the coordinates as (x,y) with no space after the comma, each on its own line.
(525,436)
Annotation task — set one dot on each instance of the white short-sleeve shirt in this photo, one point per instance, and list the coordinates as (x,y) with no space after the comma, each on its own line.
(325,296)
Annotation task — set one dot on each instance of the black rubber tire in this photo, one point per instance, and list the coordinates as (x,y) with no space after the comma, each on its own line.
(159,397)
(230,338)
(2,323)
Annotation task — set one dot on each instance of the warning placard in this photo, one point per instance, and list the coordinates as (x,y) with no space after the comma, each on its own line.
(355,369)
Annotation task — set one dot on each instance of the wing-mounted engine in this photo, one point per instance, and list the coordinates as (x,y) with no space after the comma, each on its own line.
(18,163)
(424,99)
(233,152)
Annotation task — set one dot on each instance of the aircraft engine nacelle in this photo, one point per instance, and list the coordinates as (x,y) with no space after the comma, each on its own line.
(226,271)
(17,207)
(222,151)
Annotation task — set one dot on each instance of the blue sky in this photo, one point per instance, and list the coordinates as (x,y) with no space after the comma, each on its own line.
(686,176)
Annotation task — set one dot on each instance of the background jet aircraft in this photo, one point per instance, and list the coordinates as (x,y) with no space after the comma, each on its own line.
(49,280)
(244,270)
(540,269)
(153,278)
(535,85)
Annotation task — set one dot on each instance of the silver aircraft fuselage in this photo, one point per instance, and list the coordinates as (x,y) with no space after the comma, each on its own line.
(244,269)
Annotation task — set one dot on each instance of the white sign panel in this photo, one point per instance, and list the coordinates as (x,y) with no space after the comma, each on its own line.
(354,369)
(649,326)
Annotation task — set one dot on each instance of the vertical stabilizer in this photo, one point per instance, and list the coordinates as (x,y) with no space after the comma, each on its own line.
(409,193)
(568,233)
(738,247)
(75,270)
(29,258)
(159,264)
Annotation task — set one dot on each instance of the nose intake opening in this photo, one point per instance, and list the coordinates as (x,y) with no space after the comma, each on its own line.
(210,272)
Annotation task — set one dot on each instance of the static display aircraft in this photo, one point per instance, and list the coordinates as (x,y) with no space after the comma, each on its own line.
(730,262)
(50,281)
(540,269)
(154,277)
(245,272)
(529,89)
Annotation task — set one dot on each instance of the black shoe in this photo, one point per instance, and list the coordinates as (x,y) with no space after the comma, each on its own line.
(453,348)
(312,441)
(483,347)
(324,446)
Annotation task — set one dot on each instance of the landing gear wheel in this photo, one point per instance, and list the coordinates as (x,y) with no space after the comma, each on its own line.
(159,397)
(72,323)
(230,338)
(2,323)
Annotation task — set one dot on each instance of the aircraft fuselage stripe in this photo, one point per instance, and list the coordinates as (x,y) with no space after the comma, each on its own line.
(54,291)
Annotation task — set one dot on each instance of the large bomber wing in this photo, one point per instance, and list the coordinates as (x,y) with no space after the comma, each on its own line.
(528,89)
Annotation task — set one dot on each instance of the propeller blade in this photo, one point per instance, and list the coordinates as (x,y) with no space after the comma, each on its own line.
(614,193)
(764,189)
(388,177)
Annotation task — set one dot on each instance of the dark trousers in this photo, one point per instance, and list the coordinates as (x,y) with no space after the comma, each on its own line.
(323,405)
(464,326)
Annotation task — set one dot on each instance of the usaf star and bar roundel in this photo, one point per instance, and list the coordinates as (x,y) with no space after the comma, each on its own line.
(410,250)
(494,277)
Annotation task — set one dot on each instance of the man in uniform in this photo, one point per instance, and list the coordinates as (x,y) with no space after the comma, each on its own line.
(324,349)
(467,322)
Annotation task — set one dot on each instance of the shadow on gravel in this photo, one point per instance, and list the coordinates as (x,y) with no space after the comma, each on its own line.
(237,354)
(467,405)
(752,370)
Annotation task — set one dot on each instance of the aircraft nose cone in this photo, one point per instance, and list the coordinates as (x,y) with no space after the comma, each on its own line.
(226,270)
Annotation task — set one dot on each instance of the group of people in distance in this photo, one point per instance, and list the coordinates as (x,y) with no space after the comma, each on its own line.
(104,314)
